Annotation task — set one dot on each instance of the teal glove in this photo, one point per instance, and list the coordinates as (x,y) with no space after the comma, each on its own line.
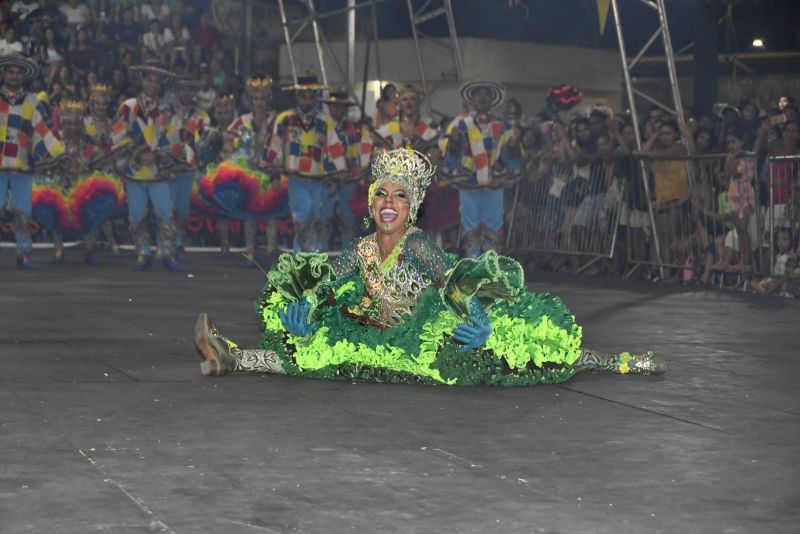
(475,334)
(295,319)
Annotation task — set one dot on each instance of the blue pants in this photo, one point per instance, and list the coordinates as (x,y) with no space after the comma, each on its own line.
(158,194)
(347,219)
(481,206)
(180,189)
(312,207)
(21,200)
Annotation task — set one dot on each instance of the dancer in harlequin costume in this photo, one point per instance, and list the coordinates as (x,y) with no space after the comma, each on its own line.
(357,143)
(243,190)
(192,124)
(77,199)
(476,146)
(25,140)
(97,125)
(144,133)
(210,153)
(410,128)
(394,308)
(305,143)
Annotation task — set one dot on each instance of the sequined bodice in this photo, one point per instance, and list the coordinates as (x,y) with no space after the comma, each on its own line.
(392,287)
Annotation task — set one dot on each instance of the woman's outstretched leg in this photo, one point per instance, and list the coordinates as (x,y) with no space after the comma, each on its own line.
(222,356)
(623,363)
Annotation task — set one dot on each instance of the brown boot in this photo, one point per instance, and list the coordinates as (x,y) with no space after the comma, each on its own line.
(216,349)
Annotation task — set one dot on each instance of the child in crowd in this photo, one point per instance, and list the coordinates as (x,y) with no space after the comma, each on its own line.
(785,269)
(741,197)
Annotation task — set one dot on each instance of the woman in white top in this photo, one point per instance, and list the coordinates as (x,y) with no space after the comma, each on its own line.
(10,45)
(176,36)
(155,10)
(154,41)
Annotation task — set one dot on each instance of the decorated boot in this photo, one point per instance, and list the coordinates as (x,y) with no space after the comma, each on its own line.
(623,363)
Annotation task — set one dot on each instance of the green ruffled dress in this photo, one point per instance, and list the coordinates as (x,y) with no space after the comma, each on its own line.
(392,320)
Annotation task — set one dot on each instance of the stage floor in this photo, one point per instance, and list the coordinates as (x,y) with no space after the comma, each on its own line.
(107,424)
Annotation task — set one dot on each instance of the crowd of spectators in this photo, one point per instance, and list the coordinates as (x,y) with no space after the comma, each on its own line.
(719,204)
(722,211)
(82,42)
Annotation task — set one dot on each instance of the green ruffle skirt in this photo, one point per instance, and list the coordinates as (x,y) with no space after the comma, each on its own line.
(534,340)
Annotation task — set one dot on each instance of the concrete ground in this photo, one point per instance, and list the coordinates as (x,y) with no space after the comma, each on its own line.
(107,425)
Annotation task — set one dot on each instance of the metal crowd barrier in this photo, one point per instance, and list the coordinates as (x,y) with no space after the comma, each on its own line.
(567,211)
(677,215)
(780,176)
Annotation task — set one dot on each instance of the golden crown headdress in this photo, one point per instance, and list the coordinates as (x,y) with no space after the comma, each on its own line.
(225,100)
(259,82)
(101,89)
(408,167)
(72,106)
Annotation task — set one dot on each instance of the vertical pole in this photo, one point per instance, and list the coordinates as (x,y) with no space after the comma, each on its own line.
(365,81)
(451,26)
(771,218)
(351,42)
(320,54)
(673,75)
(376,38)
(635,119)
(288,40)
(248,38)
(420,66)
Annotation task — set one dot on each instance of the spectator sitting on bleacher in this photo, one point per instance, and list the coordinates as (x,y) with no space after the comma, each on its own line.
(127,31)
(155,10)
(23,8)
(10,44)
(120,6)
(178,41)
(205,36)
(76,12)
(80,50)
(153,40)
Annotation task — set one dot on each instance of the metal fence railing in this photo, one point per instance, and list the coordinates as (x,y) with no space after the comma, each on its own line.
(705,216)
(712,216)
(567,211)
(780,179)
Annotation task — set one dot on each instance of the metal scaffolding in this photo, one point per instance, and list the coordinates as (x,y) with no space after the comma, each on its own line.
(419,16)
(661,30)
(428,11)
(292,29)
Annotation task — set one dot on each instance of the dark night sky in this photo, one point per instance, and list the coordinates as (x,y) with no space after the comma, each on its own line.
(574,22)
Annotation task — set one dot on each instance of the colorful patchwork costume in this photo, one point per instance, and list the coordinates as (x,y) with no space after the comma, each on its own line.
(357,143)
(192,125)
(78,199)
(412,129)
(480,153)
(25,140)
(240,186)
(143,126)
(306,145)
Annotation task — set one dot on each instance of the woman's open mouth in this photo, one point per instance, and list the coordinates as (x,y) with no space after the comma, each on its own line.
(388,215)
